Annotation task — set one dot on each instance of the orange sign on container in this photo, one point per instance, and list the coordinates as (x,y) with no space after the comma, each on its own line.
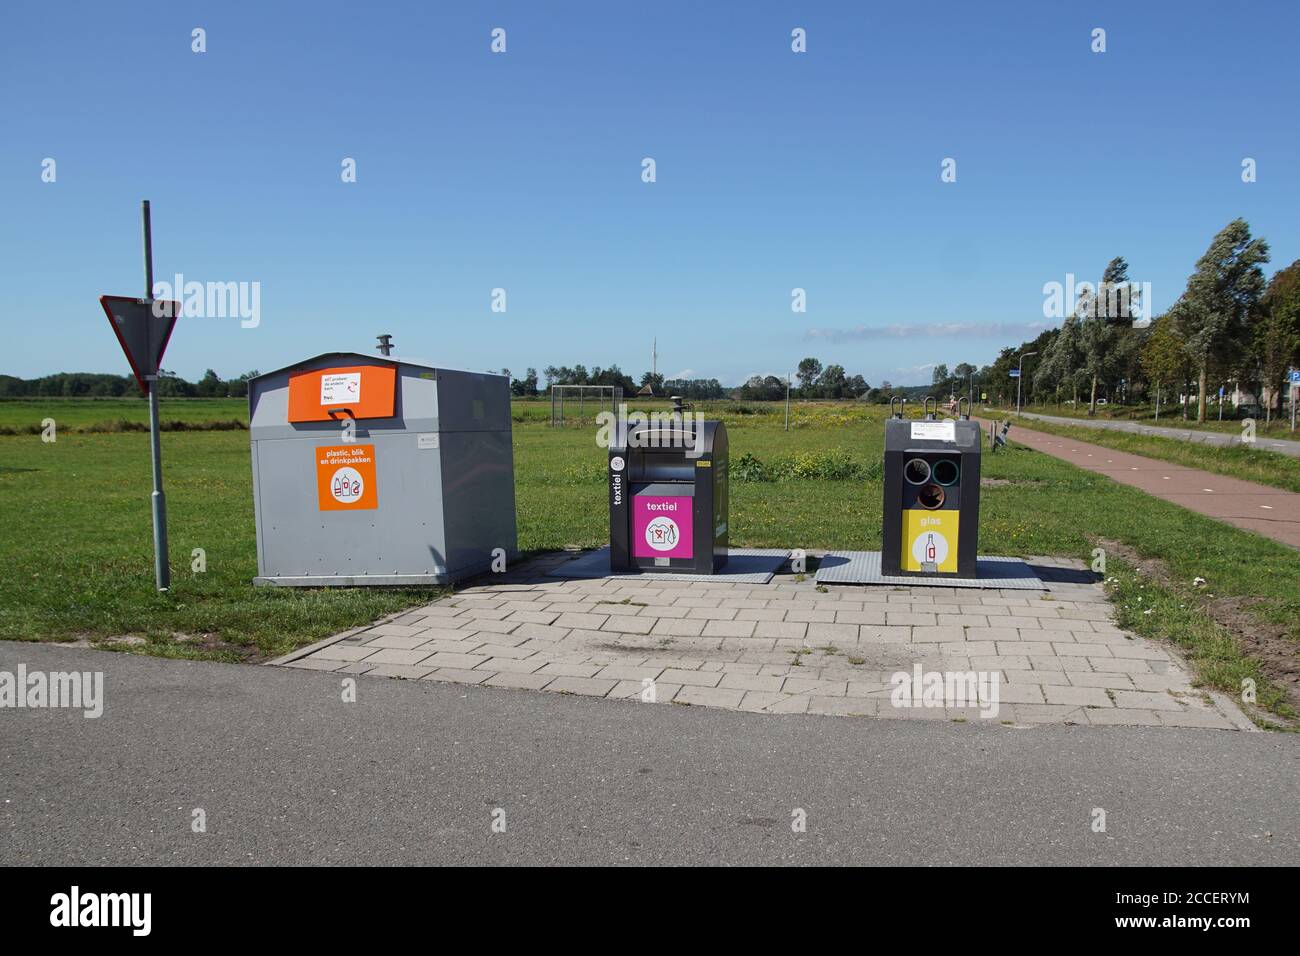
(345,478)
(330,394)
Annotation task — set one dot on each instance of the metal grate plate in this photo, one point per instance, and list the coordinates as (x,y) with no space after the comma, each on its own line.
(863,567)
(744,566)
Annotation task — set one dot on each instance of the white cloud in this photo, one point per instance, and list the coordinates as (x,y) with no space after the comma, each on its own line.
(914,369)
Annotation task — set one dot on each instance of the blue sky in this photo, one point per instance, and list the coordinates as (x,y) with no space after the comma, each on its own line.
(522,171)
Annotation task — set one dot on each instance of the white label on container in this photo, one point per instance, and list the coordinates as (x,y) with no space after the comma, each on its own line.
(340,388)
(427,440)
(934,431)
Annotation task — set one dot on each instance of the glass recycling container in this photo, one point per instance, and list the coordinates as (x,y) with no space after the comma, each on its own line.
(932,496)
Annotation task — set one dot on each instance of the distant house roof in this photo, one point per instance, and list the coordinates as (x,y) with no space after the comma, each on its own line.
(646,390)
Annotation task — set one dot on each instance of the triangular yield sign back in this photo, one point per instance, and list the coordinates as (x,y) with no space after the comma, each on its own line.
(143,328)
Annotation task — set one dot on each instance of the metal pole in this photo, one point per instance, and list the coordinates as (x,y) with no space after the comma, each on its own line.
(1294,392)
(161,568)
(1020,373)
(148,251)
(787,403)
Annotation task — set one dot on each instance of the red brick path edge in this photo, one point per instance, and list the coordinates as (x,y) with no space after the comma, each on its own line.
(1266,511)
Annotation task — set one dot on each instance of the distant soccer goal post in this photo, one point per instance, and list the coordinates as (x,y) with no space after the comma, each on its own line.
(578,401)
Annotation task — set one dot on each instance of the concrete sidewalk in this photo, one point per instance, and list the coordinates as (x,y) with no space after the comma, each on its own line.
(1193,435)
(1266,511)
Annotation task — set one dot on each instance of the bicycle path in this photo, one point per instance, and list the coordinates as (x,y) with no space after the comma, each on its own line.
(1270,512)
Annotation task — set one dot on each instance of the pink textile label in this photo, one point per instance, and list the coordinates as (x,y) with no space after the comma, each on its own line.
(661,526)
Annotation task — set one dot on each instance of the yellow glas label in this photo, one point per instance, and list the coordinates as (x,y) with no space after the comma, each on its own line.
(930,541)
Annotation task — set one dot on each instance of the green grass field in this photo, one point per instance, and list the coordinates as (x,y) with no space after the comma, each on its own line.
(78,547)
(77,413)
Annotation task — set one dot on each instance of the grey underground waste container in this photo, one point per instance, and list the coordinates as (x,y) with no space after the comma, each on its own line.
(380,471)
(931,497)
(668,497)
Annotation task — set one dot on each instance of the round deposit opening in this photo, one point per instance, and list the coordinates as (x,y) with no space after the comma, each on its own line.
(931,496)
(916,471)
(946,472)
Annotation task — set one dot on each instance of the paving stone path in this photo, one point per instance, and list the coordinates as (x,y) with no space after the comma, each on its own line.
(789,646)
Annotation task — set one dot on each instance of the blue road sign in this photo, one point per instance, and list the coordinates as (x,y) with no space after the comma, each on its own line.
(1015,373)
(1295,376)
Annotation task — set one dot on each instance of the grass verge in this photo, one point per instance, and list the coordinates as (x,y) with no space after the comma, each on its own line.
(1279,426)
(1151,607)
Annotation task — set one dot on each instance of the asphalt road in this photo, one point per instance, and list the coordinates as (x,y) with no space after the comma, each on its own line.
(287,773)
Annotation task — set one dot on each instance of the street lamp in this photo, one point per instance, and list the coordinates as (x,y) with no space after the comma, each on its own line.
(1020,372)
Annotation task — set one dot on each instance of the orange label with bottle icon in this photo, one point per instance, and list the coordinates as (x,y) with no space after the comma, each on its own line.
(930,541)
(345,478)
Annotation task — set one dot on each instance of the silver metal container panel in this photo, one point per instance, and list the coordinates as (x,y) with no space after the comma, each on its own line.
(472,402)
(444,480)
(405,534)
(478,498)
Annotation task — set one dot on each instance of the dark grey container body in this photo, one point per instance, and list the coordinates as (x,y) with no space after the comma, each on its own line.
(669,461)
(947,494)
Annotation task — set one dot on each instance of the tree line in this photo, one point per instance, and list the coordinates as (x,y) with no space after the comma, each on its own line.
(694,388)
(100,385)
(1230,325)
